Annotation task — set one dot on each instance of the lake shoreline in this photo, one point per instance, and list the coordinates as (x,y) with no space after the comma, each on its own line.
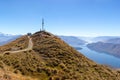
(100,58)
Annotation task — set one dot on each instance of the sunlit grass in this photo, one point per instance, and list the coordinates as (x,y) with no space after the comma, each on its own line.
(53,59)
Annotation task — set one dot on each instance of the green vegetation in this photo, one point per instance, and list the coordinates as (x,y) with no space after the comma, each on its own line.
(53,59)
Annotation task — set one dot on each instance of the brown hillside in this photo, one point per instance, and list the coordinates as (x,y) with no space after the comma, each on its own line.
(18,44)
(53,59)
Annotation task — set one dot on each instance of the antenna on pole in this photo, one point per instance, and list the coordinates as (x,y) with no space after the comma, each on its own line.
(42,24)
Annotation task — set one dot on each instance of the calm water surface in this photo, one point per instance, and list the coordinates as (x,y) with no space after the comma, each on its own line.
(101,58)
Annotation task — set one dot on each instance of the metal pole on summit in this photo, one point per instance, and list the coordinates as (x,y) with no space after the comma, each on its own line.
(42,24)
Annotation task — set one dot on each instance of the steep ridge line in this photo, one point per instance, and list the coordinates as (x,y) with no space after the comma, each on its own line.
(30,46)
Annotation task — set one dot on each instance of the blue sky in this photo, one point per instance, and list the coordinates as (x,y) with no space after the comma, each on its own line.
(62,17)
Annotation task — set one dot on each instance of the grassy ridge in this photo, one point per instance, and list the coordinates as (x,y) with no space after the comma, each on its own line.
(18,44)
(53,59)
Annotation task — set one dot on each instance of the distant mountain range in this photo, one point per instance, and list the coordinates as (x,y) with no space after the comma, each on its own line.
(6,38)
(106,44)
(72,40)
(111,46)
(103,38)
(114,41)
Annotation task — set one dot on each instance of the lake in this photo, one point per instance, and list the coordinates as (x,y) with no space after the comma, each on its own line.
(100,58)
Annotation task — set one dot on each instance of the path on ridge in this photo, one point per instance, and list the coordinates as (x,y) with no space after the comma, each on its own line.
(30,46)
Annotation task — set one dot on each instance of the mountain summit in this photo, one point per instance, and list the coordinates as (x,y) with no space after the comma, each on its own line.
(50,58)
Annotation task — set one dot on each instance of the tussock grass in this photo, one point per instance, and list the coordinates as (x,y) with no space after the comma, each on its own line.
(18,44)
(53,59)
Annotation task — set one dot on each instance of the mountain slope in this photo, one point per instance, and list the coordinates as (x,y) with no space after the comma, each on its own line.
(72,40)
(114,41)
(110,48)
(18,44)
(53,59)
(5,38)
